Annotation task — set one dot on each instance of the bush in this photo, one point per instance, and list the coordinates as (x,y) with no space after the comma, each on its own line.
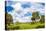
(12,27)
(40,26)
(32,22)
(17,27)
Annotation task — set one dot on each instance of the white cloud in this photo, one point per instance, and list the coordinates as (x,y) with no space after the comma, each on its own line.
(24,19)
(20,17)
(17,6)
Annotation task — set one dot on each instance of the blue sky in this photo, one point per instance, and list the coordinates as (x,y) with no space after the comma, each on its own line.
(9,8)
(28,14)
(26,5)
(23,10)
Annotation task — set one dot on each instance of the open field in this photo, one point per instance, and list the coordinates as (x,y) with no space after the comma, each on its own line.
(22,26)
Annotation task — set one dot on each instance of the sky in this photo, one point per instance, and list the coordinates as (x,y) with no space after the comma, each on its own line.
(22,11)
(28,0)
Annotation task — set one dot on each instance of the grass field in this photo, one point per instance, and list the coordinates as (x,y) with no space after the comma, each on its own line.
(22,26)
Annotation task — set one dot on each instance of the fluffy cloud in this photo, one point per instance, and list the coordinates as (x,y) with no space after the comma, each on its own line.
(21,14)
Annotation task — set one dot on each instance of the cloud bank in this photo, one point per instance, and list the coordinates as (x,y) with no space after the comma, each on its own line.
(23,10)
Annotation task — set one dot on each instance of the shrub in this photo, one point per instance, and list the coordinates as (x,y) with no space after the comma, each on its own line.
(40,26)
(17,27)
(32,22)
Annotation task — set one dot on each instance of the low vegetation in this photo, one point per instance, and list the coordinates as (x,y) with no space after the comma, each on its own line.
(25,26)
(9,25)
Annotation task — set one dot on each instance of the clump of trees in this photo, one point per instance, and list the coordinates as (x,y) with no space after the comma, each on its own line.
(36,16)
(8,20)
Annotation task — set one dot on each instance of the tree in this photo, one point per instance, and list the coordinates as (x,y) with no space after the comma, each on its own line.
(42,20)
(35,15)
(8,20)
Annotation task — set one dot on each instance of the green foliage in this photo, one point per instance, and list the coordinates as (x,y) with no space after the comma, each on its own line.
(35,15)
(25,26)
(28,25)
(12,27)
(32,22)
(42,20)
(41,26)
(17,27)
(8,20)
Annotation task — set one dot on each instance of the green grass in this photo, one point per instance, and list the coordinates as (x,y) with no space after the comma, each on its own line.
(25,26)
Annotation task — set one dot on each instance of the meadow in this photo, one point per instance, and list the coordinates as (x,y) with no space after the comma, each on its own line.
(21,26)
